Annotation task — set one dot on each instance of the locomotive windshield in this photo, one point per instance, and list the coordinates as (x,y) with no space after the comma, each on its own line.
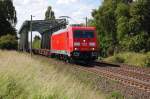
(83,34)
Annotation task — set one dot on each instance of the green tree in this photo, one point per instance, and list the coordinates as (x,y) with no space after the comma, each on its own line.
(8,42)
(139,24)
(37,42)
(123,25)
(140,13)
(49,14)
(8,18)
(105,21)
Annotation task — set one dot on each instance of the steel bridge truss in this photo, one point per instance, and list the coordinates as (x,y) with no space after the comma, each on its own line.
(44,27)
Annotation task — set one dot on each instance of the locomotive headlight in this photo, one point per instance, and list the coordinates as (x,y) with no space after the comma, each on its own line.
(93,49)
(75,49)
(76,43)
(92,44)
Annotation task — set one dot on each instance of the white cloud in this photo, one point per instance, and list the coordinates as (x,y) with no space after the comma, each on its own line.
(80,14)
(25,8)
(66,1)
(77,9)
(77,12)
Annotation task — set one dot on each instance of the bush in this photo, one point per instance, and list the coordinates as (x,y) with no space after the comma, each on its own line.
(132,58)
(37,44)
(8,42)
(147,61)
(119,59)
(136,43)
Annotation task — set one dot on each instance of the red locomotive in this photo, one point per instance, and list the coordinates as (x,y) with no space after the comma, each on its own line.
(75,42)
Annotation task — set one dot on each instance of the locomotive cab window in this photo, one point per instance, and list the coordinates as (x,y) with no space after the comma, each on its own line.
(83,34)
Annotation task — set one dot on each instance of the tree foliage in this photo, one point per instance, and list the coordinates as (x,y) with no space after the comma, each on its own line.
(8,42)
(49,14)
(37,42)
(8,18)
(123,25)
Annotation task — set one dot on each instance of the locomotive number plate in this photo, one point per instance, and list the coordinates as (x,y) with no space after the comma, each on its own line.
(84,44)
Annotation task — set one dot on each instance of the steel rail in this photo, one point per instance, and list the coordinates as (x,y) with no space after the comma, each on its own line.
(124,77)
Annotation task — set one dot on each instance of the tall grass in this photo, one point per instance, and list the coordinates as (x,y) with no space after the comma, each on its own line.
(23,77)
(138,59)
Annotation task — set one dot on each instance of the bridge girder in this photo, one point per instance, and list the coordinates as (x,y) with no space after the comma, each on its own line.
(44,27)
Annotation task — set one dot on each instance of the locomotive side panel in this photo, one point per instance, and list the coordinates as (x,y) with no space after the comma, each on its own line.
(59,43)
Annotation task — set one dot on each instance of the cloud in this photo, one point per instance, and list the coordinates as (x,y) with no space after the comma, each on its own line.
(77,9)
(66,1)
(25,8)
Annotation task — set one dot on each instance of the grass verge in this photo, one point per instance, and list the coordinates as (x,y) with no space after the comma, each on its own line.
(23,77)
(137,59)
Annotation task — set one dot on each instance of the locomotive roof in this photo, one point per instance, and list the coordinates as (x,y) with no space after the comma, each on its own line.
(73,28)
(82,27)
(60,31)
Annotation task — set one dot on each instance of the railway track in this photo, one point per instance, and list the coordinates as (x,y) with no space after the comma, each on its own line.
(145,71)
(126,67)
(133,72)
(128,76)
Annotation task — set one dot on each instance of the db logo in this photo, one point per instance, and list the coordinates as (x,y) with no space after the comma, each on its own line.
(84,44)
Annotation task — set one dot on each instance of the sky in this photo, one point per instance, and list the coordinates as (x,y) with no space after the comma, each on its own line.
(76,9)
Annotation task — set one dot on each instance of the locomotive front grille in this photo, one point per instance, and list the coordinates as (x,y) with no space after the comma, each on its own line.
(84,55)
